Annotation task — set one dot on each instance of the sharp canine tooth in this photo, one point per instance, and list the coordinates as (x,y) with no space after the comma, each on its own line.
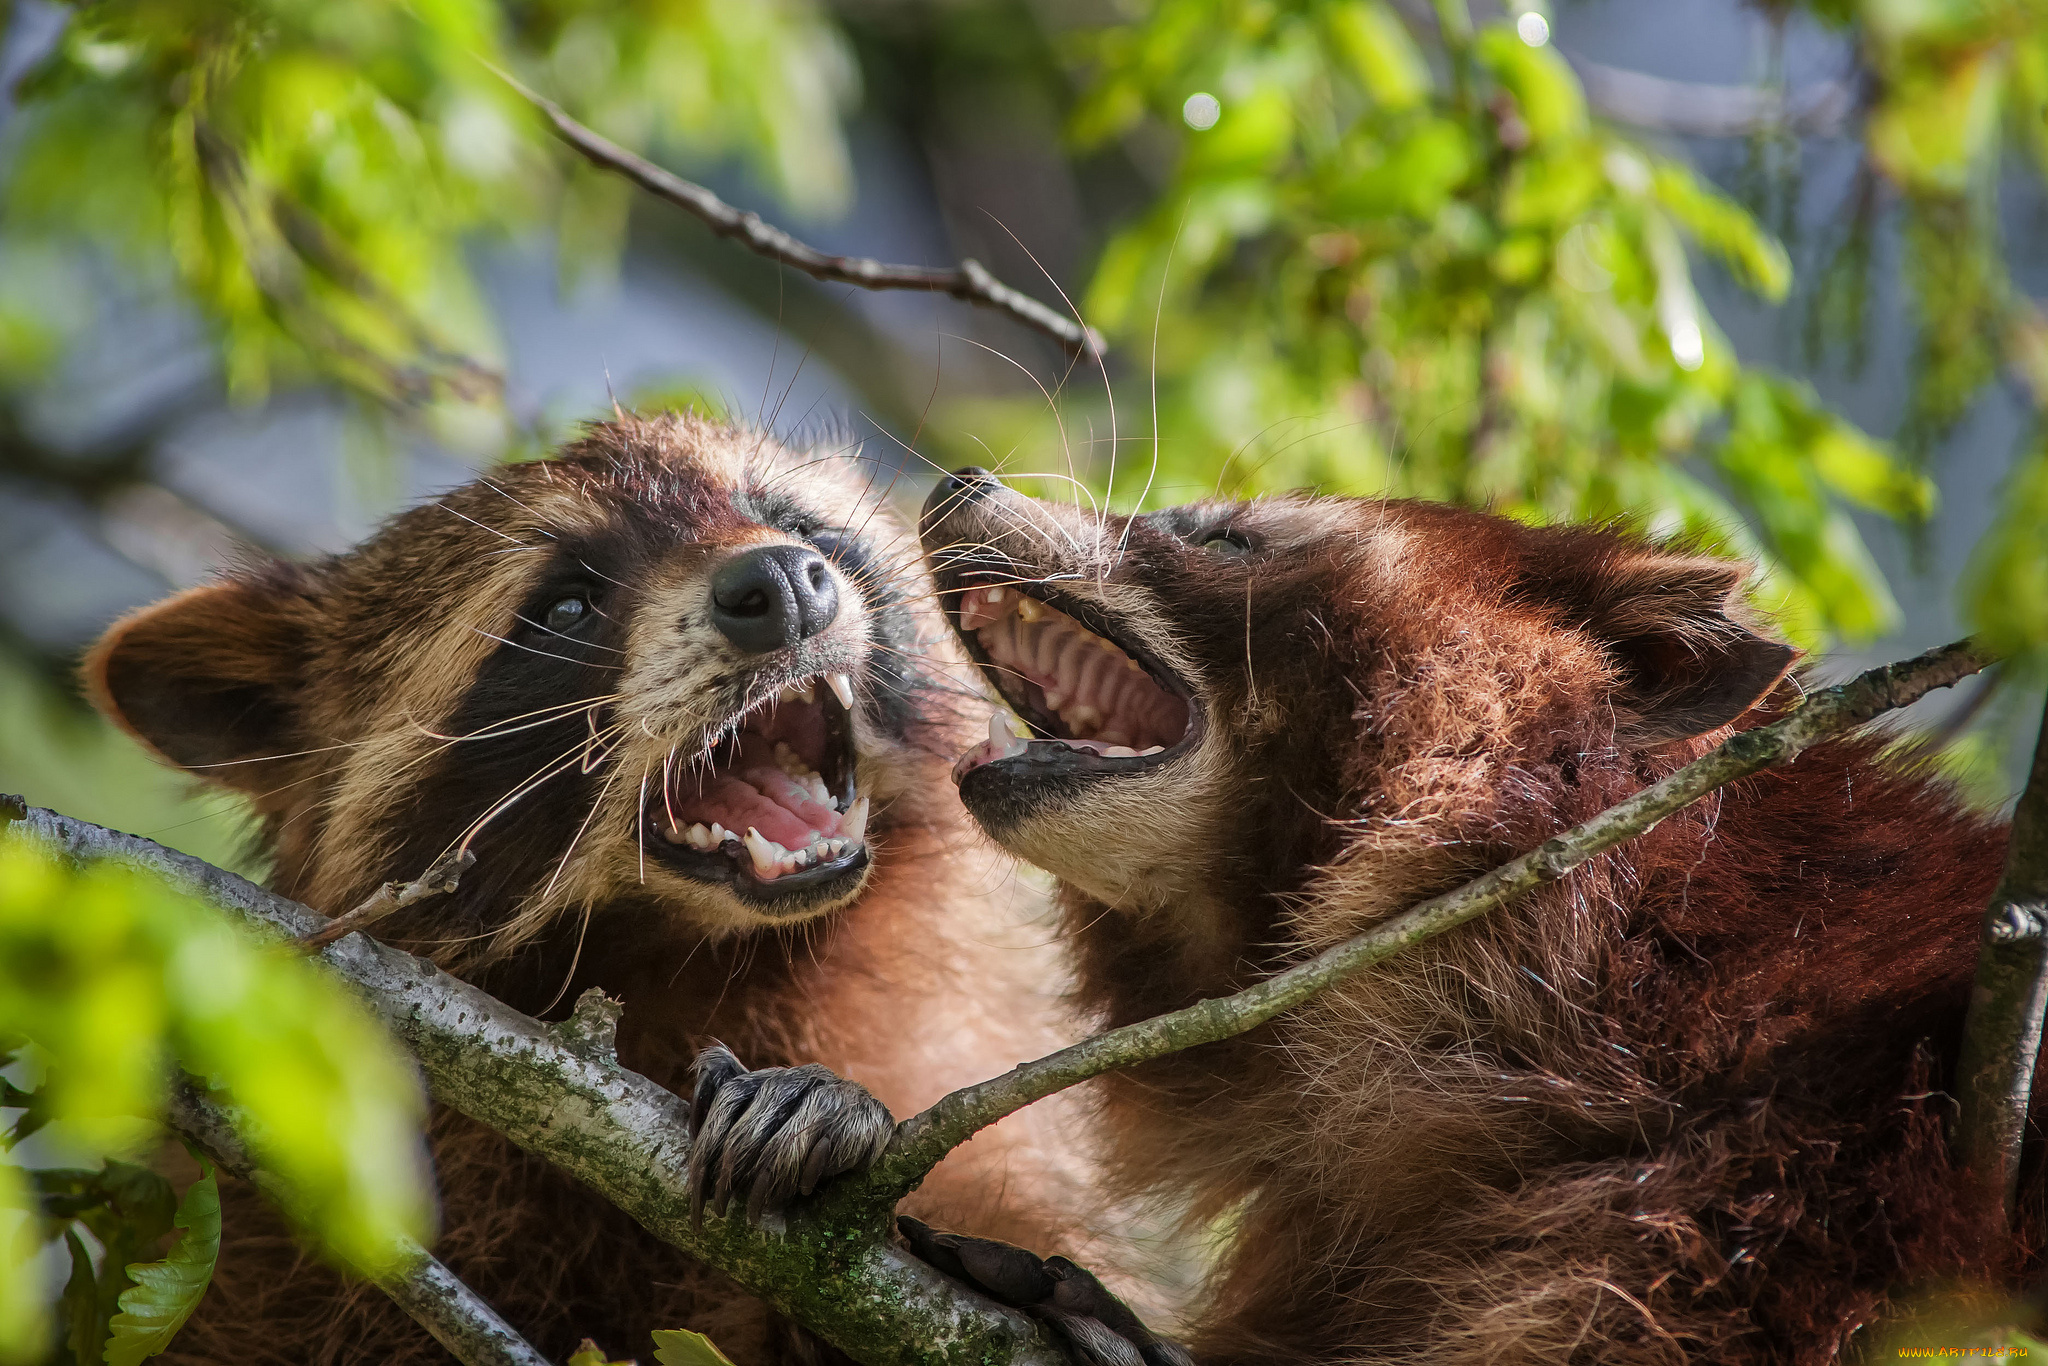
(842,688)
(853,826)
(766,853)
(1031,609)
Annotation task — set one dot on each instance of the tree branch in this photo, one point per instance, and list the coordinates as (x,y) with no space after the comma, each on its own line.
(1712,111)
(2008,1002)
(439,880)
(561,1094)
(923,1139)
(456,1316)
(969,281)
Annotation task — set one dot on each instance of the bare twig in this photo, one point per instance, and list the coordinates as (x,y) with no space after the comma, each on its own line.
(560,1095)
(2008,1003)
(457,1317)
(969,281)
(1713,111)
(923,1139)
(438,880)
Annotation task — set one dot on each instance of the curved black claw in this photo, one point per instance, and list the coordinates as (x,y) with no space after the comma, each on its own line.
(766,1137)
(1099,1327)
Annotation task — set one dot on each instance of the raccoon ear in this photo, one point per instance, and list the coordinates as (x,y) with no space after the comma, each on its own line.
(207,678)
(1690,662)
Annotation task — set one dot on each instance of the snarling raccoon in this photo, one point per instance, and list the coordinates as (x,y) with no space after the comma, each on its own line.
(683,694)
(1687,1105)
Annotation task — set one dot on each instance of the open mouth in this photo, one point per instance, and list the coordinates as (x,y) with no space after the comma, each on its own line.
(773,810)
(1094,703)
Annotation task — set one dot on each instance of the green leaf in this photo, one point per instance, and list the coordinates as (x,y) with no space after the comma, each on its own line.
(1934,124)
(1380,51)
(681,1347)
(167,1292)
(24,1317)
(1552,102)
(85,1327)
(1725,228)
(588,1353)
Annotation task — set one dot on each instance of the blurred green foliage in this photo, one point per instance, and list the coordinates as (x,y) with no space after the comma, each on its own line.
(114,978)
(1399,258)
(311,173)
(1961,108)
(1392,254)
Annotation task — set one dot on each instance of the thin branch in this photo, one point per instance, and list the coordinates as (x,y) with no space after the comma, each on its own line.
(2009,1001)
(561,1094)
(1713,111)
(969,281)
(439,880)
(923,1139)
(457,1317)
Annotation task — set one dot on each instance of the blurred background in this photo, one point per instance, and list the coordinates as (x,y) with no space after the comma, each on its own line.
(1760,274)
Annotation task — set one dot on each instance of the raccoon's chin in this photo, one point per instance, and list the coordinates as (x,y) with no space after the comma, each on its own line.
(1097,707)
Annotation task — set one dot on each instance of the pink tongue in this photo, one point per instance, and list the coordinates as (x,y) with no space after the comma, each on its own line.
(756,793)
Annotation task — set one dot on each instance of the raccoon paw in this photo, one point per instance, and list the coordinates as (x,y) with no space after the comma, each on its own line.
(1099,1328)
(763,1138)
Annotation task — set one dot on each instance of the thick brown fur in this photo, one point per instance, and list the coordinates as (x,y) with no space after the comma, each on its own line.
(376,707)
(1687,1105)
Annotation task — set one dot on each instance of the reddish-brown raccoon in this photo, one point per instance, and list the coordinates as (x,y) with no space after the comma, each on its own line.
(1687,1105)
(576,667)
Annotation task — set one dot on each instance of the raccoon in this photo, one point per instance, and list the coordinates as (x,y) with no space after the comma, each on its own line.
(1686,1105)
(682,692)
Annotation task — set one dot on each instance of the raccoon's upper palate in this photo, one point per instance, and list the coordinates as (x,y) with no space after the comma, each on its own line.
(1077,687)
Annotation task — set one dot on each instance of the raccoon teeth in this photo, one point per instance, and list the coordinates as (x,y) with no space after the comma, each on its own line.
(798,692)
(1156,749)
(1030,609)
(1007,743)
(842,688)
(766,853)
(853,826)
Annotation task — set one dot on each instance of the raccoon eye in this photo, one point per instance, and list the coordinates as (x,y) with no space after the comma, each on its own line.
(1228,544)
(565,614)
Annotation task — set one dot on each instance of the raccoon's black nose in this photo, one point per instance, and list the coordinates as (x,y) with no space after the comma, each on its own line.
(968,479)
(771,598)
